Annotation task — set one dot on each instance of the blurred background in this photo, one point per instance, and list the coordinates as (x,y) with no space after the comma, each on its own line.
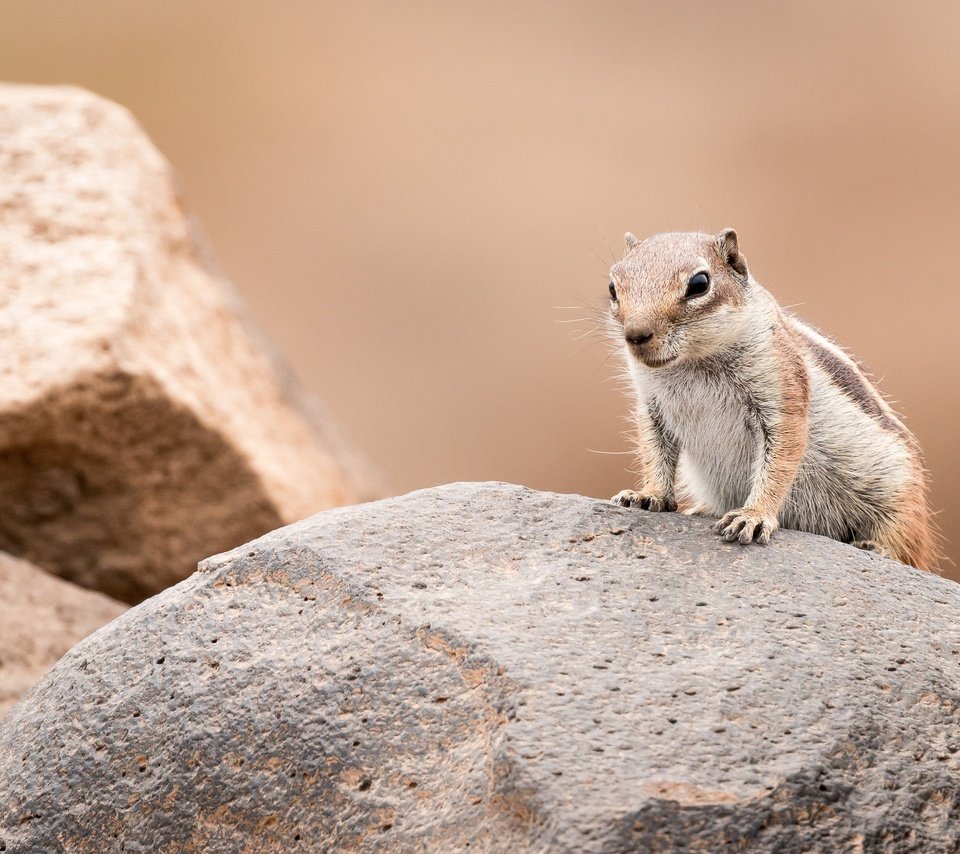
(417,198)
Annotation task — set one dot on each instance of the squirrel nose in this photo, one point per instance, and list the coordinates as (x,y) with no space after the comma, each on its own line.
(637,337)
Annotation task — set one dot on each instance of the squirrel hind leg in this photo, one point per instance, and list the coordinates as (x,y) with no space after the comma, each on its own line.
(911,535)
(915,545)
(873,546)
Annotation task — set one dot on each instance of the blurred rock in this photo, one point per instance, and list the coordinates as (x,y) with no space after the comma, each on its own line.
(485,665)
(41,617)
(144,423)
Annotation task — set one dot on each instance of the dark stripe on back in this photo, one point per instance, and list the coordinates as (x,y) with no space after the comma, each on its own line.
(852,383)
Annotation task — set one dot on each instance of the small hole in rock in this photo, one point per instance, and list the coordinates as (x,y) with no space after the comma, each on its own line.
(387,826)
(365,784)
(161,659)
(356,742)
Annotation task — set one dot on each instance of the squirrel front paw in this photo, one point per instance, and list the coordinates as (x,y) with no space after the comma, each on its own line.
(746,525)
(645,501)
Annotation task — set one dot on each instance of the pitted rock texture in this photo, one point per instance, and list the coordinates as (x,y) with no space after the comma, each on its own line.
(144,424)
(483,666)
(41,617)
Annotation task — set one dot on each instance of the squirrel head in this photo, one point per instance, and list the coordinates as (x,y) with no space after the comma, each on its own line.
(680,297)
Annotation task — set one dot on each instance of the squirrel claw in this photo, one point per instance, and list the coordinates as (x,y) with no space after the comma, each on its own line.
(746,526)
(653,503)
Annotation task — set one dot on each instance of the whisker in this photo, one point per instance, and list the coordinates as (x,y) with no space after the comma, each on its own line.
(613,254)
(584,334)
(606,264)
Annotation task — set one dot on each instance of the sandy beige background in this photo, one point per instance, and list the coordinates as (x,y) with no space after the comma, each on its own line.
(414,197)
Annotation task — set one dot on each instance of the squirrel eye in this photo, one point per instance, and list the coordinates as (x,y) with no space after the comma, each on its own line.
(613,291)
(697,286)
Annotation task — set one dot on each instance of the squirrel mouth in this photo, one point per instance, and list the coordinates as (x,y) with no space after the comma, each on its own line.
(658,363)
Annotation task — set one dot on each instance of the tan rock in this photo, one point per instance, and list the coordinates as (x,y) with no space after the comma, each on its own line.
(41,617)
(144,423)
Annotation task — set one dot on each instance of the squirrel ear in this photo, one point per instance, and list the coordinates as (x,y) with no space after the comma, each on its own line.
(631,240)
(729,248)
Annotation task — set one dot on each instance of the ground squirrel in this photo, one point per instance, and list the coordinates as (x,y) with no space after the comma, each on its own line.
(763,420)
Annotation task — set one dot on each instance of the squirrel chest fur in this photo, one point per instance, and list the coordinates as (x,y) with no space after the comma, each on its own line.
(754,416)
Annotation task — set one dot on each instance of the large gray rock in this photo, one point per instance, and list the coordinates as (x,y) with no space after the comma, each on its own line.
(144,423)
(485,665)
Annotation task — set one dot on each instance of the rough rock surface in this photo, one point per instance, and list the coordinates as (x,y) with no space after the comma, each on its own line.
(485,665)
(41,617)
(143,423)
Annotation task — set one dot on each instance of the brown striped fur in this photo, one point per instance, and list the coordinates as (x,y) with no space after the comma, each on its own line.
(757,417)
(849,377)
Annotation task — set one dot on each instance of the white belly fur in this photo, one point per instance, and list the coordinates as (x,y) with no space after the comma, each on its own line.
(717,445)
